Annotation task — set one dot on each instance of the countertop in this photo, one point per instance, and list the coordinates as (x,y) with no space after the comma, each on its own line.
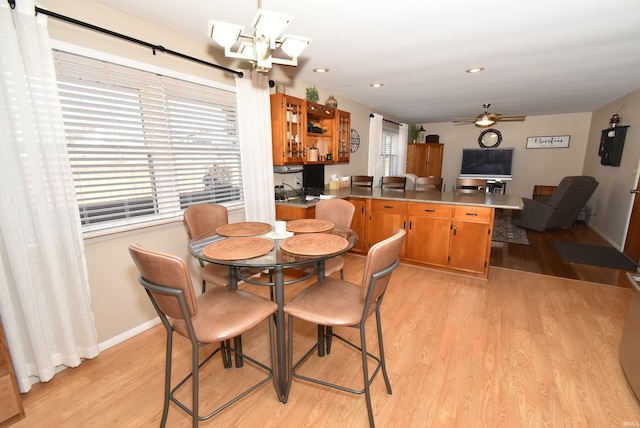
(491,200)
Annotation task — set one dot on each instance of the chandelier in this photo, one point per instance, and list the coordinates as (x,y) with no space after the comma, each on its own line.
(265,46)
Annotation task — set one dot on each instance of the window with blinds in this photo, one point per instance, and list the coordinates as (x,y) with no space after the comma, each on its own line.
(389,150)
(143,146)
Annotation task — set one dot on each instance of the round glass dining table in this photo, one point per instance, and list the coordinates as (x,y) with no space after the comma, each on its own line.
(276,260)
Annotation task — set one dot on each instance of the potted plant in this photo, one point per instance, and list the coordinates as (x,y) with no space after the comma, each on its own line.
(312,94)
(415,133)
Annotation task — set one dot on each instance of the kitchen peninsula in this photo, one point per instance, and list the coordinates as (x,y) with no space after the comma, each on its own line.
(445,230)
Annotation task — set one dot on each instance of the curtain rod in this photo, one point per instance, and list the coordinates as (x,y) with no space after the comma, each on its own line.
(387,120)
(153,47)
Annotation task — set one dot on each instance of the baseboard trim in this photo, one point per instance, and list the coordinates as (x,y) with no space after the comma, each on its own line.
(103,346)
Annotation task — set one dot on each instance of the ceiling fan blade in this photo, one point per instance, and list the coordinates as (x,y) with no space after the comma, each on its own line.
(511,118)
(464,119)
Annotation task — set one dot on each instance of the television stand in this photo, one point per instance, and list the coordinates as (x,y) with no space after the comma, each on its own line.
(496,187)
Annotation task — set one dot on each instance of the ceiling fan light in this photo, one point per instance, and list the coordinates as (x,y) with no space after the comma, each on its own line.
(294,45)
(484,121)
(223,33)
(270,24)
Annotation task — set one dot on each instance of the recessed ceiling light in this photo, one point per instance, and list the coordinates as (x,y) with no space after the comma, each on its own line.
(475,69)
(321,70)
(377,85)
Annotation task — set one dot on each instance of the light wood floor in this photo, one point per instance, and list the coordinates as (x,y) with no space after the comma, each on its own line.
(519,350)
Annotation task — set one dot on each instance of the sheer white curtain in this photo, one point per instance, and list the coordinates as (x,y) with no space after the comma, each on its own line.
(403,135)
(375,142)
(254,128)
(44,291)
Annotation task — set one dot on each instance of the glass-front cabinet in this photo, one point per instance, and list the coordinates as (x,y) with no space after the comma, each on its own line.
(288,129)
(304,132)
(343,142)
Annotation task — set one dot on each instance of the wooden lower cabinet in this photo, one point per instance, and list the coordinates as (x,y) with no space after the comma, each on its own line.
(287,212)
(428,235)
(453,237)
(359,223)
(470,248)
(385,217)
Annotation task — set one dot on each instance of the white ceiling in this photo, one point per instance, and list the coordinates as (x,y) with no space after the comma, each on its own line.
(540,57)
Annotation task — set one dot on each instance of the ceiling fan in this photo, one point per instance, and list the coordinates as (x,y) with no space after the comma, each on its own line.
(487,119)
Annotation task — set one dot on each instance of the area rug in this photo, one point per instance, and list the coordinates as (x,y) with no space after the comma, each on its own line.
(504,231)
(594,255)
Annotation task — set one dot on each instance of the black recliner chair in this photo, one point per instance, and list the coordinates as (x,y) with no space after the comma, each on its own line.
(561,209)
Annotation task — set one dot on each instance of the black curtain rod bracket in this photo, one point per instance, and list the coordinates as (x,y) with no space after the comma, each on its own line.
(153,47)
(387,120)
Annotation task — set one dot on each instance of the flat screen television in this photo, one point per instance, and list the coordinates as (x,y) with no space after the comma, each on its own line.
(492,164)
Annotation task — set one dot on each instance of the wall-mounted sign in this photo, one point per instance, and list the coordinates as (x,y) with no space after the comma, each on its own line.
(559,141)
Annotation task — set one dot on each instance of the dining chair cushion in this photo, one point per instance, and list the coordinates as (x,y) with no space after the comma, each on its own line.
(226,313)
(340,302)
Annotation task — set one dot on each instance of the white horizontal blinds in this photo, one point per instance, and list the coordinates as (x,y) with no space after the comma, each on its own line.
(144,147)
(389,150)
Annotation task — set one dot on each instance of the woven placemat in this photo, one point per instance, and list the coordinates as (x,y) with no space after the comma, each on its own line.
(238,248)
(247,228)
(314,244)
(310,225)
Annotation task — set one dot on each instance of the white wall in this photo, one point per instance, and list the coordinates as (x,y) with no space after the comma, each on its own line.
(612,200)
(531,166)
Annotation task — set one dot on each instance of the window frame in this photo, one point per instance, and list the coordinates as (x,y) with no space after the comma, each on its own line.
(134,221)
(389,150)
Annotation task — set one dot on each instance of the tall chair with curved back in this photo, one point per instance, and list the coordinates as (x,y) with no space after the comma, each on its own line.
(333,302)
(339,212)
(361,181)
(470,185)
(429,183)
(203,218)
(215,316)
(393,182)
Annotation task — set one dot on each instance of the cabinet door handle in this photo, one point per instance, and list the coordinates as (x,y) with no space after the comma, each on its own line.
(429,211)
(404,224)
(388,206)
(362,210)
(472,214)
(455,230)
(410,225)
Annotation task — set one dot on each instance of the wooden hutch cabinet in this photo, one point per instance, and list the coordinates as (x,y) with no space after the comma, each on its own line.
(10,400)
(304,132)
(425,160)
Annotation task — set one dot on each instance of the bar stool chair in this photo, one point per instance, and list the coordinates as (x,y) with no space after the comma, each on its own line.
(470,185)
(393,182)
(361,181)
(339,212)
(203,218)
(333,303)
(429,183)
(215,316)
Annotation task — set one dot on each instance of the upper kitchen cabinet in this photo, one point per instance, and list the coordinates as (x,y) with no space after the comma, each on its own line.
(304,132)
(425,160)
(288,129)
(343,140)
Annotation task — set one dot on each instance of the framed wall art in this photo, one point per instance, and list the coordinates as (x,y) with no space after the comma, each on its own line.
(554,142)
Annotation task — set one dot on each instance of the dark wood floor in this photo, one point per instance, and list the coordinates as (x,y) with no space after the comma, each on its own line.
(542,257)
